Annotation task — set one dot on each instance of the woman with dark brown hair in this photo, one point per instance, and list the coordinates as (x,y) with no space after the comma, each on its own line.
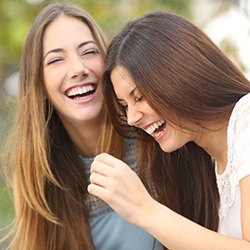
(167,78)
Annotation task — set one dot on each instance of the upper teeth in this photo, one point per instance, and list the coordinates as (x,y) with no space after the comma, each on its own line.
(80,90)
(154,126)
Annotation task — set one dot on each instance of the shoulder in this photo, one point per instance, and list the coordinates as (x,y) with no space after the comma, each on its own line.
(242,108)
(239,136)
(239,122)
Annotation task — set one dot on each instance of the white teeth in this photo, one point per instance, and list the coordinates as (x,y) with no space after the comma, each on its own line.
(80,90)
(154,126)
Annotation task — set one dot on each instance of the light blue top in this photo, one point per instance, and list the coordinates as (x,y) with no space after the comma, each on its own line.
(109,230)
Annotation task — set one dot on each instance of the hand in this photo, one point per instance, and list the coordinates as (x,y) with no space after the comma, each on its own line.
(115,183)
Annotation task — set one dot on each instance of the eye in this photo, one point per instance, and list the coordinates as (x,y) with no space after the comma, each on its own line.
(54,61)
(138,99)
(124,107)
(90,52)
(122,113)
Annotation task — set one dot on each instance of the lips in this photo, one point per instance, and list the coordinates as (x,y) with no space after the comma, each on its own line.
(81,92)
(155,127)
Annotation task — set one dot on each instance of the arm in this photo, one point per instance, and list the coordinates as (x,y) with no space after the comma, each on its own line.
(245,207)
(115,183)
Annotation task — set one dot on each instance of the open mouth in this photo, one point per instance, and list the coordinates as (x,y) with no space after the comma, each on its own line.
(156,128)
(81,92)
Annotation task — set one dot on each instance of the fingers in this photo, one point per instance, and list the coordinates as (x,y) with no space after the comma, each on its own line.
(105,158)
(98,185)
(106,175)
(109,173)
(98,179)
(97,191)
(118,185)
(104,164)
(108,160)
(102,170)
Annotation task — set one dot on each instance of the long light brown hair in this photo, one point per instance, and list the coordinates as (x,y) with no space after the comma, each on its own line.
(49,179)
(181,73)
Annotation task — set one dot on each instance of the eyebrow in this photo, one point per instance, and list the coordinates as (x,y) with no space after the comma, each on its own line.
(131,94)
(60,50)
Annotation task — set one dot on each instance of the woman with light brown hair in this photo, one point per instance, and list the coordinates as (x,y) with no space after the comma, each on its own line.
(165,77)
(61,124)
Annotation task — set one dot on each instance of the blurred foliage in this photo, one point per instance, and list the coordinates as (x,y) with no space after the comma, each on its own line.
(16,17)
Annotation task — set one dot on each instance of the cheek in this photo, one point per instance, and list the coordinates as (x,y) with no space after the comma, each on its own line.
(97,67)
(53,78)
(150,109)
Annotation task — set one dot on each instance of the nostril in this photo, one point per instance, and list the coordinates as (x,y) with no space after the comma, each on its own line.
(133,119)
(78,70)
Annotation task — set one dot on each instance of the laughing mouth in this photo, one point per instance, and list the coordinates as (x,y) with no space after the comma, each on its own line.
(81,92)
(156,127)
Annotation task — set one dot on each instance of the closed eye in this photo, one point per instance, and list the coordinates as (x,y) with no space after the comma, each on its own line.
(92,51)
(54,61)
(124,107)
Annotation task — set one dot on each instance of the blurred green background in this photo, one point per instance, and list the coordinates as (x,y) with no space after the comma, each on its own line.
(226,21)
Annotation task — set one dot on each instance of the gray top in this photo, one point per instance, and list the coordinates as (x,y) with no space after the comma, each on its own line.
(109,230)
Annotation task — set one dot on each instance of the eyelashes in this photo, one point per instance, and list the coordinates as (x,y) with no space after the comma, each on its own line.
(138,99)
(124,107)
(54,61)
(89,52)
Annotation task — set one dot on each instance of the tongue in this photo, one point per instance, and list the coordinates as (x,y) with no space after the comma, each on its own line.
(159,129)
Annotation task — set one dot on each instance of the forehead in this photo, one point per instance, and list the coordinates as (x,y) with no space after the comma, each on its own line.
(65,30)
(122,81)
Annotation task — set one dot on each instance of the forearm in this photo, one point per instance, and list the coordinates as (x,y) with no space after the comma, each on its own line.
(176,232)
(115,183)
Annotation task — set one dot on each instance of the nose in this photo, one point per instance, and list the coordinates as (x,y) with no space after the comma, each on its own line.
(77,68)
(134,115)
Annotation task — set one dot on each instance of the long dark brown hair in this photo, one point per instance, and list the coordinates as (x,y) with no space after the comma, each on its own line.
(181,73)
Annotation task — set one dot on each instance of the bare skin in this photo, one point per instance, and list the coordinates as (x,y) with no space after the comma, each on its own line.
(114,182)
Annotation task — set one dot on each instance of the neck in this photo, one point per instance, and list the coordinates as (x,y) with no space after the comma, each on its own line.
(85,136)
(214,142)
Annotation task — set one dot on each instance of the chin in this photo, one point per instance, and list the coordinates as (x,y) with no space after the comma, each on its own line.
(168,148)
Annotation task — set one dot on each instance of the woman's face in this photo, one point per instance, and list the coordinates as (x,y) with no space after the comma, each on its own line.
(72,68)
(141,115)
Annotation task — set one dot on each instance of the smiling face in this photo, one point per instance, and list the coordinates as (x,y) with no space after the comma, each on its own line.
(72,68)
(141,115)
